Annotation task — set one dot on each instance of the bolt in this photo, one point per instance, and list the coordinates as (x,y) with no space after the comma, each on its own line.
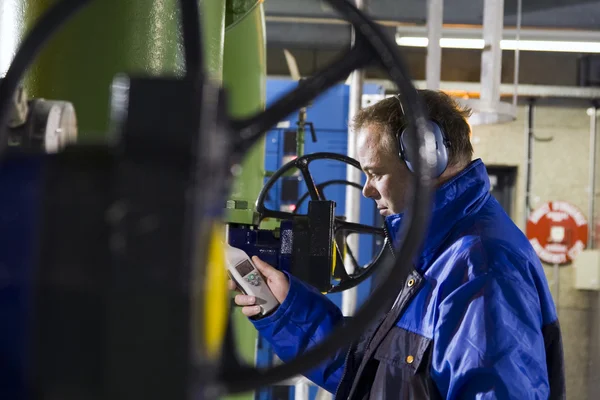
(237,205)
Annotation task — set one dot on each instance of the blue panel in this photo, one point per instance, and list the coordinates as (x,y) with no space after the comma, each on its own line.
(273,155)
(272,144)
(371,88)
(329,114)
(330,110)
(275,89)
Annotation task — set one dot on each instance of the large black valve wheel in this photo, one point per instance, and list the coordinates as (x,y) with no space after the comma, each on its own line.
(371,45)
(342,227)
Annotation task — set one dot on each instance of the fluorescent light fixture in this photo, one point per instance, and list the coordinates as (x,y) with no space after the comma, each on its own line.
(505,44)
(545,45)
(447,43)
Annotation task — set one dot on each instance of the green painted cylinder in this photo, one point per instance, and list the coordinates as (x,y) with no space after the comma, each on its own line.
(213,24)
(244,77)
(108,37)
(142,37)
(137,37)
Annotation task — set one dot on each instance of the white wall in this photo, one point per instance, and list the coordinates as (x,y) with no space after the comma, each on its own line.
(559,172)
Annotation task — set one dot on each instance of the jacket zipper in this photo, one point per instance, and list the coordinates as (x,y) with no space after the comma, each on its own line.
(373,336)
(391,247)
(389,240)
(343,372)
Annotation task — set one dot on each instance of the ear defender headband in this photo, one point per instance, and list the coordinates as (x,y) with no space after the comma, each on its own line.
(441,144)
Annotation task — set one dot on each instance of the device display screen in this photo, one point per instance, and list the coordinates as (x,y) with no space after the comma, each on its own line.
(244,268)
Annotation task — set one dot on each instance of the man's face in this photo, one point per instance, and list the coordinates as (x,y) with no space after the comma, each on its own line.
(388,178)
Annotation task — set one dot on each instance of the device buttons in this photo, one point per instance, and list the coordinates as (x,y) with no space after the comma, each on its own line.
(253,279)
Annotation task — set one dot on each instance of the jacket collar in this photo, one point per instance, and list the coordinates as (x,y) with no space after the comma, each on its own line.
(462,195)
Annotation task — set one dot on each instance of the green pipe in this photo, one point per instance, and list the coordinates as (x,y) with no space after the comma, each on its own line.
(213,23)
(244,77)
(143,37)
(138,37)
(105,38)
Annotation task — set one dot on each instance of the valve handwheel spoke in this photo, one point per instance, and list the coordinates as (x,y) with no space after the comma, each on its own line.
(313,190)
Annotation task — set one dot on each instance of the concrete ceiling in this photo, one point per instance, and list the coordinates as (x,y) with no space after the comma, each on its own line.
(325,33)
(315,42)
(581,14)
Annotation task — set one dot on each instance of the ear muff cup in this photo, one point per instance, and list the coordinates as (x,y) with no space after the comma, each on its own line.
(441,144)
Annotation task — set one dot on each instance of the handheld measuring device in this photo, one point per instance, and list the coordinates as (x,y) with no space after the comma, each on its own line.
(246,276)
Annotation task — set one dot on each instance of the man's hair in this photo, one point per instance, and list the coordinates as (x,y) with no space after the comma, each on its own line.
(440,107)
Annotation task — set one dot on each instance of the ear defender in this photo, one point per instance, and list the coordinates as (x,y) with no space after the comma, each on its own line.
(441,144)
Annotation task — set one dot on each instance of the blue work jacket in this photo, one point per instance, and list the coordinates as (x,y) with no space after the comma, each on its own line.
(474,319)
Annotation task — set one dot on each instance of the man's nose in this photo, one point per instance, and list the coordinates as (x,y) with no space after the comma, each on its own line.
(369,191)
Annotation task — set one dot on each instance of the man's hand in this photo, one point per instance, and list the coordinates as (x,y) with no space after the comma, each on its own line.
(276,280)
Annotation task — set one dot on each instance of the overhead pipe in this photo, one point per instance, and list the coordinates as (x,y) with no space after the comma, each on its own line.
(517,56)
(593,113)
(244,38)
(523,90)
(349,297)
(488,109)
(594,385)
(529,141)
(491,57)
(435,20)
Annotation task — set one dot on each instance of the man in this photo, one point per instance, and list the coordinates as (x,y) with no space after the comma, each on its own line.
(474,320)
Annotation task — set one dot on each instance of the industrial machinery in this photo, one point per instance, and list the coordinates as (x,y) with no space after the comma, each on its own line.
(115,282)
(320,127)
